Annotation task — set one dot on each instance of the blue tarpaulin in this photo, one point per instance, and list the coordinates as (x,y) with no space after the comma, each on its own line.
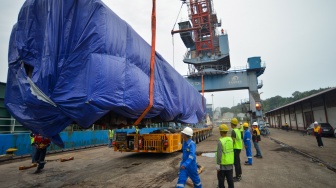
(74,61)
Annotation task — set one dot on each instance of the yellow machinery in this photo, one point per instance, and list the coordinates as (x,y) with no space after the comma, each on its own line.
(156,142)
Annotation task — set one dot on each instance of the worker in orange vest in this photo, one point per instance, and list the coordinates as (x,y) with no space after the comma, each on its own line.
(256,139)
(318,134)
(41,143)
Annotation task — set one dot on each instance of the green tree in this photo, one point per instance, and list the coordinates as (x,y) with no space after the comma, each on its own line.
(275,102)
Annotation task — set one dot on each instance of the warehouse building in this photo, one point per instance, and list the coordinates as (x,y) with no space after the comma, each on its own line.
(320,107)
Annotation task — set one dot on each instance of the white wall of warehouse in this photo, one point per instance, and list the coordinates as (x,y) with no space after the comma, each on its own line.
(332,116)
(319,116)
(299,120)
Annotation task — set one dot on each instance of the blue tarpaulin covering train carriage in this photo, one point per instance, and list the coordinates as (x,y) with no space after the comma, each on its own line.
(75,61)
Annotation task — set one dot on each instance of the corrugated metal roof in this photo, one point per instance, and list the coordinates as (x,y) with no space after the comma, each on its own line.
(305,98)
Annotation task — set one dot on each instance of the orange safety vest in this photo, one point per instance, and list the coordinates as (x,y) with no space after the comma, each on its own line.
(317,129)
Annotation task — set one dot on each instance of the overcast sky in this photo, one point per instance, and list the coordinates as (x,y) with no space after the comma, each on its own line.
(295,38)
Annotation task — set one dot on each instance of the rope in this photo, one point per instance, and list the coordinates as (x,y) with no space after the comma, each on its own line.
(173,51)
(173,34)
(178,15)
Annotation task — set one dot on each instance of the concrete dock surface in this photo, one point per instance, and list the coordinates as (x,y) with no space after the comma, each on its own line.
(289,160)
(282,164)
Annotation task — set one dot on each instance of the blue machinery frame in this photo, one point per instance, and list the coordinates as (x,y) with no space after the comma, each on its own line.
(72,140)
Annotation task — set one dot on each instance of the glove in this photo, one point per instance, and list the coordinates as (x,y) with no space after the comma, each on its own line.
(218,167)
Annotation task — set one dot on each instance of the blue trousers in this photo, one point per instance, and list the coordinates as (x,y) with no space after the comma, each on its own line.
(110,142)
(33,154)
(256,146)
(249,153)
(184,174)
(40,156)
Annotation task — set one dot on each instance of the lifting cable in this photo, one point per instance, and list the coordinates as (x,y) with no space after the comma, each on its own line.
(203,91)
(152,63)
(173,34)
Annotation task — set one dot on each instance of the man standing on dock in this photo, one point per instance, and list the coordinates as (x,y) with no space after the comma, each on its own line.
(32,137)
(237,147)
(286,126)
(247,144)
(256,139)
(224,158)
(110,136)
(318,134)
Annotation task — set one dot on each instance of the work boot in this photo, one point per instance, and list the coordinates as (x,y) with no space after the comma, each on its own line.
(38,171)
(259,156)
(237,179)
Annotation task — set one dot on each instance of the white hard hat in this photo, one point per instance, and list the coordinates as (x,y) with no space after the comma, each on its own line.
(255,123)
(316,123)
(188,131)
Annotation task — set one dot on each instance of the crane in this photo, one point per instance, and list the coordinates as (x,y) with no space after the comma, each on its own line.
(208,50)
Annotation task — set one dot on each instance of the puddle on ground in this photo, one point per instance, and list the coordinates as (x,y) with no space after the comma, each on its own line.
(209,155)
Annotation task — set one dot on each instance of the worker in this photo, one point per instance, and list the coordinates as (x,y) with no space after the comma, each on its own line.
(237,147)
(41,143)
(318,134)
(224,158)
(256,139)
(33,147)
(286,126)
(247,144)
(188,165)
(136,130)
(241,128)
(110,136)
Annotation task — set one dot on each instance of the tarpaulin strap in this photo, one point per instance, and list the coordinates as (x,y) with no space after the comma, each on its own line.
(152,63)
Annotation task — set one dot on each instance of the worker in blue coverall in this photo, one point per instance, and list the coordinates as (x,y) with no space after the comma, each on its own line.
(188,166)
(247,144)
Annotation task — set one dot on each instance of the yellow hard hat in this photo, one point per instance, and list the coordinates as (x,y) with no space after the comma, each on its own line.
(245,125)
(234,121)
(223,127)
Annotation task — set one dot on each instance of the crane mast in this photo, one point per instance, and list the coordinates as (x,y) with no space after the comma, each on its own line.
(207,50)
(202,16)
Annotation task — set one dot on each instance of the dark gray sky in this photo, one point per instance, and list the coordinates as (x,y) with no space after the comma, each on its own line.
(295,38)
